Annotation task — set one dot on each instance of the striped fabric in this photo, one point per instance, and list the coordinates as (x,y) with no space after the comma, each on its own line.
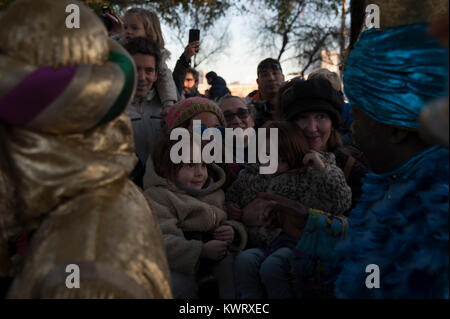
(67,99)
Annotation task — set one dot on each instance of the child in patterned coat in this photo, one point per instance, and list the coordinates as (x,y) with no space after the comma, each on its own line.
(305,176)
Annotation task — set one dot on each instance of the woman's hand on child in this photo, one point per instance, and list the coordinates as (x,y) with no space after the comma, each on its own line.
(214,249)
(312,159)
(191,49)
(225,233)
(234,211)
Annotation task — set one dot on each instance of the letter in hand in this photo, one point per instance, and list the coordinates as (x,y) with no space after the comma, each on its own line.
(291,216)
(225,233)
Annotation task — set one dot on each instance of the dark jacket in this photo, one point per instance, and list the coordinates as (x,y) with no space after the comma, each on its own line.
(179,72)
(263,109)
(354,168)
(196,94)
(218,88)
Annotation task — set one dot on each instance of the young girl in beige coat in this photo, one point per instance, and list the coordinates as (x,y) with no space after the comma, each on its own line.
(189,204)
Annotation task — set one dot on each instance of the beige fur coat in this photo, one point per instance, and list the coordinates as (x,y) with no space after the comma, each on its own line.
(179,212)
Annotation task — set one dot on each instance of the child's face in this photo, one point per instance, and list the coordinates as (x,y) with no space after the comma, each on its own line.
(133,27)
(192,175)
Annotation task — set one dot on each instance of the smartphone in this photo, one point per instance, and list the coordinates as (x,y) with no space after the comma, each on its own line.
(194,35)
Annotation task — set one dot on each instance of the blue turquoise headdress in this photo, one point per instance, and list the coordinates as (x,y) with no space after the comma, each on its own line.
(391,74)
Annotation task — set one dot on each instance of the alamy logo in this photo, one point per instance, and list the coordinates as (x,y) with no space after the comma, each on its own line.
(373,280)
(73,279)
(213,151)
(372,16)
(73,19)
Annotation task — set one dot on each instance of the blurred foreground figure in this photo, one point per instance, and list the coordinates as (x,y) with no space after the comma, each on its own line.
(395,242)
(401,221)
(66,152)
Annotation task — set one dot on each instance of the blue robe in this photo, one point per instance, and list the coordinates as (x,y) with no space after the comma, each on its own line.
(400,224)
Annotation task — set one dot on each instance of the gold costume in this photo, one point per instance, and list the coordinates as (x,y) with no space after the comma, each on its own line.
(64,173)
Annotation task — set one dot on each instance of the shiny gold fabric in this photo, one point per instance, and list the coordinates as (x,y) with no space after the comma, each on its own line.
(85,211)
(84,102)
(66,185)
(12,72)
(6,221)
(41,25)
(9,223)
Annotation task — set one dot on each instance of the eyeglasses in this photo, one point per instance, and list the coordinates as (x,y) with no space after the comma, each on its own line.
(241,113)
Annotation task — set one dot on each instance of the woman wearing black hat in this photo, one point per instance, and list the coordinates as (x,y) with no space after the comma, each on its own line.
(315,107)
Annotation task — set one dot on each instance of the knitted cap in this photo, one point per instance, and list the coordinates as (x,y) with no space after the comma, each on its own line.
(315,95)
(188,108)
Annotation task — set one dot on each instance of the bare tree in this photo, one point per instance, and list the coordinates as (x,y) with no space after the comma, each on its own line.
(214,40)
(182,15)
(214,44)
(300,30)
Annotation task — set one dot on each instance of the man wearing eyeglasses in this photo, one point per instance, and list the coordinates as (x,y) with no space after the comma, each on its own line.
(270,77)
(237,115)
(236,112)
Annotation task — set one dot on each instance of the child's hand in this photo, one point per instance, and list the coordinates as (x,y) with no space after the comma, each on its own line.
(214,249)
(234,211)
(312,159)
(225,233)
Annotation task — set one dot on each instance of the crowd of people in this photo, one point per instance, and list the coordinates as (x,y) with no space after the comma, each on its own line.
(89,180)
